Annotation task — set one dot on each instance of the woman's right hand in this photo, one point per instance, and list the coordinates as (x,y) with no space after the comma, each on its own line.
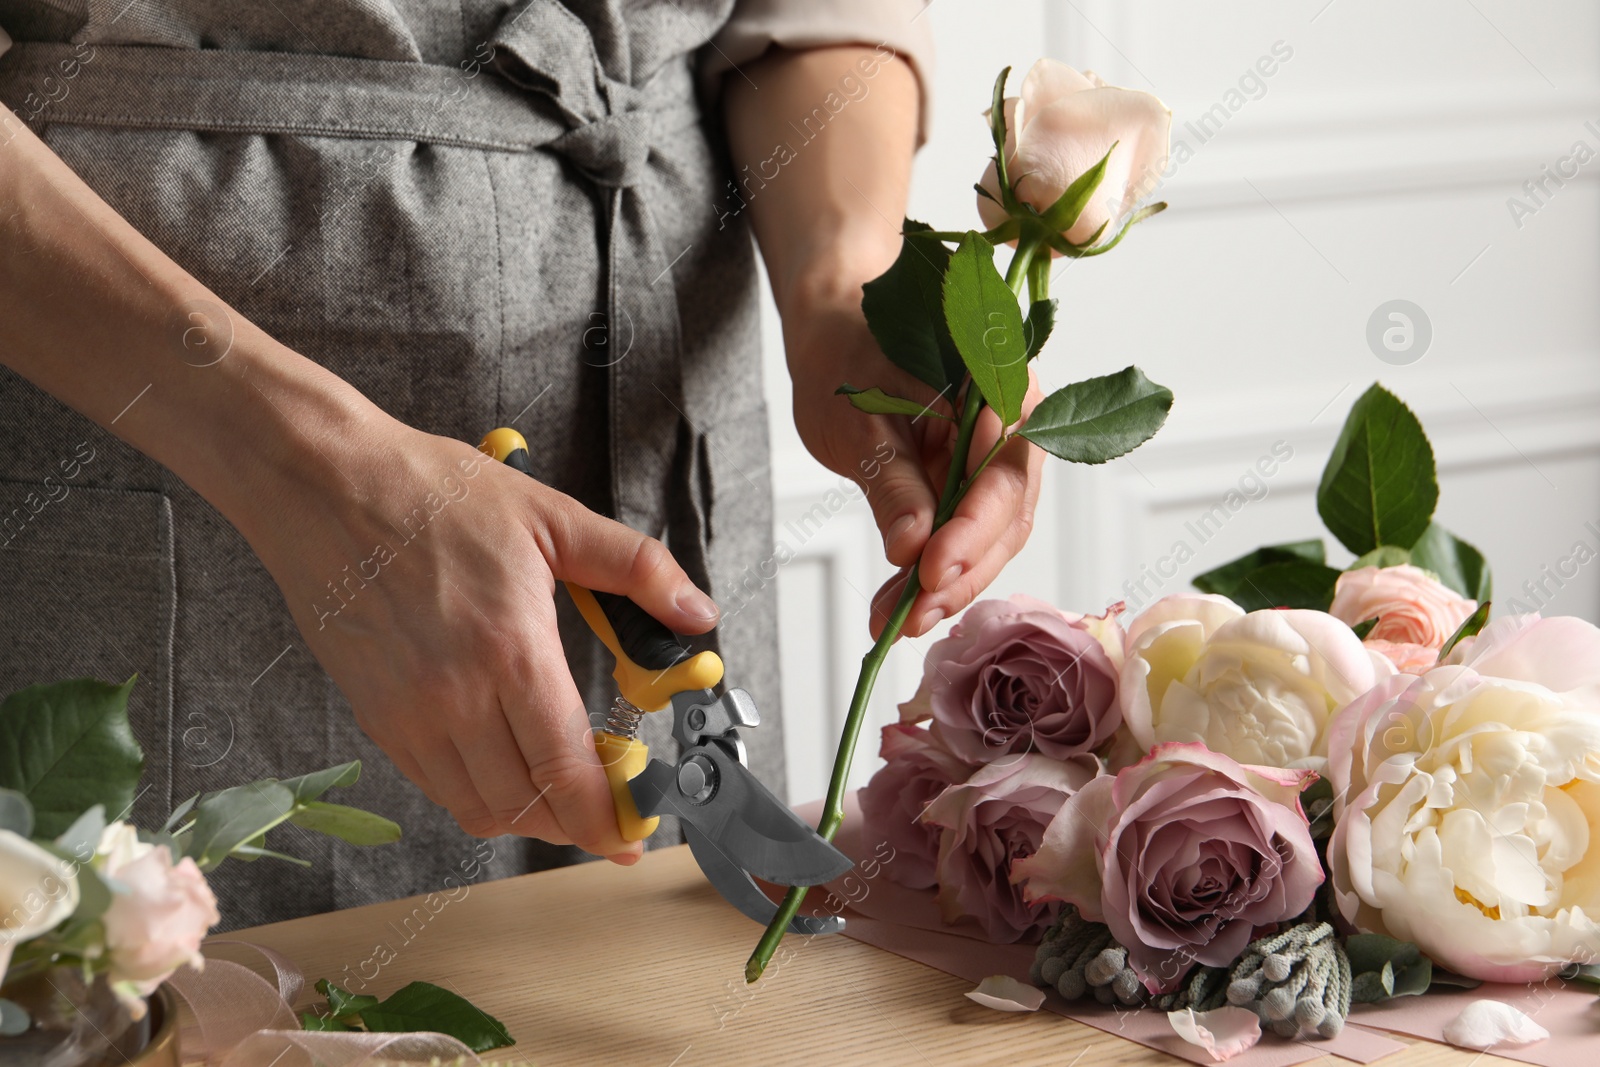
(422,575)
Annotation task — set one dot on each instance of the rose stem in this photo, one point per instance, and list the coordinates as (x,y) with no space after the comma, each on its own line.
(955,488)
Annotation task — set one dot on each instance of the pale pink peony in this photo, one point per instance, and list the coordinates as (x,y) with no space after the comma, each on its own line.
(1060,126)
(994,818)
(160,912)
(1467,804)
(917,769)
(1187,856)
(1412,607)
(1019,675)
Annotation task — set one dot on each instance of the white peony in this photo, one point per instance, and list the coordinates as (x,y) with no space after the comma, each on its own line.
(38,890)
(1260,688)
(1468,804)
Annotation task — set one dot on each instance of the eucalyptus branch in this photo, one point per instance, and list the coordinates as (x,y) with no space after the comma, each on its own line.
(833,807)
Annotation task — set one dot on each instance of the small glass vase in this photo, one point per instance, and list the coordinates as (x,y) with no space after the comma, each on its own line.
(76,1022)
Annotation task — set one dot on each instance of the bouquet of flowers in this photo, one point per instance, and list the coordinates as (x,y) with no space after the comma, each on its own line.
(1254,805)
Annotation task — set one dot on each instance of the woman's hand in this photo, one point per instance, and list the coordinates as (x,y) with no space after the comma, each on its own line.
(830,344)
(422,576)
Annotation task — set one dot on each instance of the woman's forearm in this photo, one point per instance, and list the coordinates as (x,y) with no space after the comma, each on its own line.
(100,318)
(822,141)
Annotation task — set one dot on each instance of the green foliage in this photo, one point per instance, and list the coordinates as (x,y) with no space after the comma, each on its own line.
(904,307)
(1062,214)
(982,315)
(1382,556)
(1380,486)
(1470,626)
(875,401)
(349,824)
(1457,563)
(1363,628)
(16,814)
(418,1007)
(1099,419)
(1041,320)
(1228,578)
(1287,584)
(1382,967)
(67,746)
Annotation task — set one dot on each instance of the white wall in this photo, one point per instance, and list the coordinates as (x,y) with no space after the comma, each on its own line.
(1374,164)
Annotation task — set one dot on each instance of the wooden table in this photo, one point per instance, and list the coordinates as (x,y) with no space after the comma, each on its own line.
(604,965)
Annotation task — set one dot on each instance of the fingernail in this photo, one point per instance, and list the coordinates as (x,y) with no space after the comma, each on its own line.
(898,529)
(929,620)
(949,576)
(691,601)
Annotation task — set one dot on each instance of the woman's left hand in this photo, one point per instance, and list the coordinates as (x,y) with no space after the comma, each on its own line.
(901,464)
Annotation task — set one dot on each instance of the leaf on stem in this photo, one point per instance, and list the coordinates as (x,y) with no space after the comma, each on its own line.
(984,321)
(1287,584)
(904,310)
(1099,419)
(997,133)
(877,402)
(423,1006)
(1224,579)
(1041,320)
(1382,556)
(1470,627)
(1380,485)
(66,747)
(1457,563)
(354,825)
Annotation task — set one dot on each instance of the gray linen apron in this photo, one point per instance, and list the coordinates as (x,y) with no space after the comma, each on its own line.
(479,215)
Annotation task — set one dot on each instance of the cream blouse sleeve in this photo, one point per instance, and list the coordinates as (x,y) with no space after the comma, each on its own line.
(897,26)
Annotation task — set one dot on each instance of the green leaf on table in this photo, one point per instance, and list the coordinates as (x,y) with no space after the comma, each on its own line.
(67,746)
(1382,967)
(1040,321)
(424,1006)
(1060,216)
(1457,563)
(16,814)
(1099,419)
(1362,629)
(342,1002)
(984,321)
(349,824)
(1288,584)
(904,307)
(312,1022)
(1380,485)
(1470,627)
(1224,579)
(877,402)
(1382,556)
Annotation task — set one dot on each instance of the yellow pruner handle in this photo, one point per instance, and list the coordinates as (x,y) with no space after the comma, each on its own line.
(623,758)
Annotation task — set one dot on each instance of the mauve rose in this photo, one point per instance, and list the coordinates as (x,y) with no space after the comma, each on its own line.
(1019,676)
(1186,856)
(1412,607)
(997,817)
(917,770)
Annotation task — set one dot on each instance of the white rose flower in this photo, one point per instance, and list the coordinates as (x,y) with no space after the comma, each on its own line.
(38,890)
(1260,688)
(1061,125)
(1468,805)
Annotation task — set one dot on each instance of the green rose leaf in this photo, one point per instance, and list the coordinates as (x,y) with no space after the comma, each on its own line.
(1099,419)
(66,747)
(1382,556)
(16,814)
(904,307)
(1362,629)
(1458,564)
(314,1023)
(1225,579)
(424,1006)
(1384,967)
(354,825)
(1380,485)
(1041,320)
(981,311)
(1287,584)
(1469,627)
(877,402)
(342,1002)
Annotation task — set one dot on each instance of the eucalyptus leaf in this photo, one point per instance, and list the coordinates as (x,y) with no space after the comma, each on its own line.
(307,787)
(1099,419)
(180,813)
(354,825)
(16,814)
(904,307)
(424,1006)
(1382,556)
(1289,584)
(877,402)
(1470,627)
(226,819)
(14,1019)
(1457,563)
(1225,579)
(82,838)
(67,746)
(1400,967)
(1380,485)
(1040,321)
(984,321)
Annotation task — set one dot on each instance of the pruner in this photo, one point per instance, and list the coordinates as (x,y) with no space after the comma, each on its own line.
(734,825)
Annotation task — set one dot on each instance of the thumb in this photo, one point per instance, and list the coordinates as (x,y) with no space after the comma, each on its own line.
(600,553)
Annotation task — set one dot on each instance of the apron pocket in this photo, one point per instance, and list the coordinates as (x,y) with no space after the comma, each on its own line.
(87,589)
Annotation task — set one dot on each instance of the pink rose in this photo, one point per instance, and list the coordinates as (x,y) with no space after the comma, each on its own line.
(1411,606)
(1020,676)
(918,769)
(160,912)
(1192,856)
(994,818)
(1407,658)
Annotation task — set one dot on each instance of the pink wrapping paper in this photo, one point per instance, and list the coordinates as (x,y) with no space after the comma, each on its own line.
(1571,1015)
